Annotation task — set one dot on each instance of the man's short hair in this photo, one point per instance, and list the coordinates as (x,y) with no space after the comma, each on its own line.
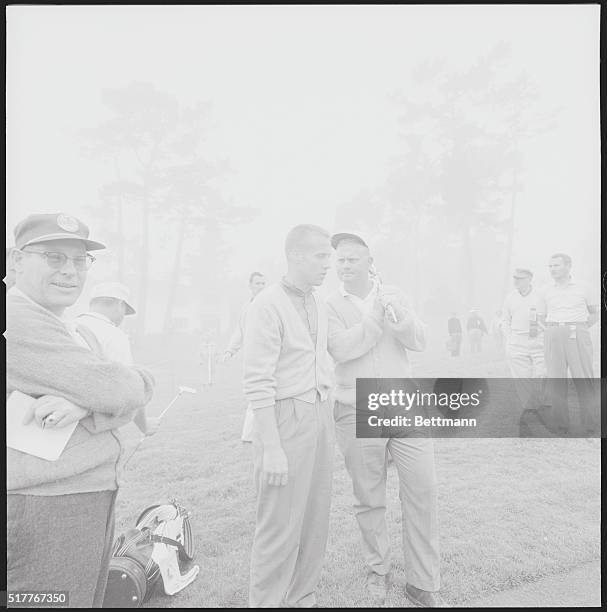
(298,235)
(566,258)
(253,275)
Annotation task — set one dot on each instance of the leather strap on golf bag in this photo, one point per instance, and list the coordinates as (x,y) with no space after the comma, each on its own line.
(133,570)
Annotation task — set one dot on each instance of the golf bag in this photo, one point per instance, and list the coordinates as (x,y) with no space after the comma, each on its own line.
(149,553)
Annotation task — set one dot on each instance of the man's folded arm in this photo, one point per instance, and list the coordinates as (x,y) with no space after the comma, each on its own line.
(348,343)
(43,359)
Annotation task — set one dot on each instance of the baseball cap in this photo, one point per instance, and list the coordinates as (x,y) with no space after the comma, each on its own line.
(337,238)
(55,226)
(114,290)
(522,273)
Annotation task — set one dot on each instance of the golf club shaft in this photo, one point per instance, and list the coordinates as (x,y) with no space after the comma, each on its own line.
(134,451)
(171,403)
(144,437)
(388,307)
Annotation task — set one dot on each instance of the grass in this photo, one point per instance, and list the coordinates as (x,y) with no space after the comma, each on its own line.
(511,510)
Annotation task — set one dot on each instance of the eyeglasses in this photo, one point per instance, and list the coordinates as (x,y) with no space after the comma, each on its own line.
(57,260)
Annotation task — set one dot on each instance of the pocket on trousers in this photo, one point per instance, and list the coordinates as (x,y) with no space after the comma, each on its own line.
(287,418)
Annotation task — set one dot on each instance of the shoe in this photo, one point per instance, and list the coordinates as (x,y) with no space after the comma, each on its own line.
(424,599)
(377,586)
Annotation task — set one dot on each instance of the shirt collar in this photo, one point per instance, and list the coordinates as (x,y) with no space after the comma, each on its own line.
(289,286)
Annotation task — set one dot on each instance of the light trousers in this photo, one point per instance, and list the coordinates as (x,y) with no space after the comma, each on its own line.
(292,521)
(526,361)
(366,462)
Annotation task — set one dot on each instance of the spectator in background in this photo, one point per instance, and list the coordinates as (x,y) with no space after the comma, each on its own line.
(524,338)
(100,327)
(257,282)
(569,309)
(496,330)
(454,327)
(476,329)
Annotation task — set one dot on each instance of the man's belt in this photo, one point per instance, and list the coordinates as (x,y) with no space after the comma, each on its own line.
(566,324)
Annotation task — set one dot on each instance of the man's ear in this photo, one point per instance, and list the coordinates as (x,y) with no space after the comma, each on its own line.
(15,259)
(294,255)
(370,261)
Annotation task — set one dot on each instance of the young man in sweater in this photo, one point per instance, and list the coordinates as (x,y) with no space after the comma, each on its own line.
(60,514)
(367,343)
(287,377)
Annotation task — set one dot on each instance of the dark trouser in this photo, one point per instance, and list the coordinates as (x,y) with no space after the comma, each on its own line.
(476,340)
(61,543)
(456,343)
(570,348)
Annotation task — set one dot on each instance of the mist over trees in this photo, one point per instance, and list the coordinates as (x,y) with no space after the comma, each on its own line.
(163,187)
(448,207)
(441,224)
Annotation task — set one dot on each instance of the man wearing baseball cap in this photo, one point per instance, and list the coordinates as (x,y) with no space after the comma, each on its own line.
(524,337)
(109,303)
(60,514)
(371,329)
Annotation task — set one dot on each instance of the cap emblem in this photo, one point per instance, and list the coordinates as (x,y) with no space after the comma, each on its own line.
(67,223)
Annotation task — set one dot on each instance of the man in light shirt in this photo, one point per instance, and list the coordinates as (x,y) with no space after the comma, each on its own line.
(257,282)
(109,304)
(366,342)
(524,337)
(287,378)
(569,309)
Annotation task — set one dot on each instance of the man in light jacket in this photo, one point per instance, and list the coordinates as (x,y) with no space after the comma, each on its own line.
(366,343)
(287,377)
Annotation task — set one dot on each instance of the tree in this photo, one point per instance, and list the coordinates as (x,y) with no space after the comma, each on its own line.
(154,145)
(470,125)
(197,206)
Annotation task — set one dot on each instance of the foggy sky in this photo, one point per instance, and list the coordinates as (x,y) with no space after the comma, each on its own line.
(300,105)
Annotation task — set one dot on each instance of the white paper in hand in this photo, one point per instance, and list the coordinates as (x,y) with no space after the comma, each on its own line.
(31,438)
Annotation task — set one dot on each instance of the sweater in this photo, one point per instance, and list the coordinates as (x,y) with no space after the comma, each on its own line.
(43,358)
(364,346)
(280,358)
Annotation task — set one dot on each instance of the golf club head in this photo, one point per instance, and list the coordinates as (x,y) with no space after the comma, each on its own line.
(187,390)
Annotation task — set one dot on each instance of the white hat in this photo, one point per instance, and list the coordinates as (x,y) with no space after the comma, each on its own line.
(114,290)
